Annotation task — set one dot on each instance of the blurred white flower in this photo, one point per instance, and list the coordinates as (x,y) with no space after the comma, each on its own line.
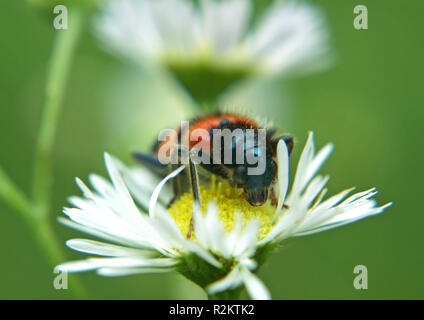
(214,41)
(230,239)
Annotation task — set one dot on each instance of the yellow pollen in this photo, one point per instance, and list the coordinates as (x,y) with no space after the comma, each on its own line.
(229,200)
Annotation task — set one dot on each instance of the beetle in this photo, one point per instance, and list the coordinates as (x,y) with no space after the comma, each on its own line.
(258,188)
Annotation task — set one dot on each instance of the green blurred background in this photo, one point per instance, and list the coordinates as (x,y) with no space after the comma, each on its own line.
(370,104)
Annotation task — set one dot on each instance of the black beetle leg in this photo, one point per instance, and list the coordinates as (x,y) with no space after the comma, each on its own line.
(195,188)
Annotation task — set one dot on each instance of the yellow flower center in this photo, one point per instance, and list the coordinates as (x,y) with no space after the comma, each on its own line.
(229,200)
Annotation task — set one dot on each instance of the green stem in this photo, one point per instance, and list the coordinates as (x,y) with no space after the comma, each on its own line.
(64,46)
(13,197)
(35,213)
(49,244)
(60,61)
(40,227)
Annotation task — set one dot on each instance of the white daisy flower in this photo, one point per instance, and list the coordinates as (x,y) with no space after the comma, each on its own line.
(230,240)
(212,41)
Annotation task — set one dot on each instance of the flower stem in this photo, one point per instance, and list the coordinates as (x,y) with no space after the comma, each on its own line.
(64,45)
(13,197)
(40,227)
(35,213)
(58,69)
(53,252)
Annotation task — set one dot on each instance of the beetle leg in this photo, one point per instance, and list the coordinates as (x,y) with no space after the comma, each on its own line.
(193,179)
(195,188)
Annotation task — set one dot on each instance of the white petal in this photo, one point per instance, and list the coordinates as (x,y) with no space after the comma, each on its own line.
(131,214)
(291,36)
(95,232)
(199,225)
(359,210)
(225,23)
(248,238)
(116,272)
(318,161)
(85,190)
(141,182)
(128,28)
(313,190)
(304,161)
(346,218)
(177,24)
(156,192)
(95,263)
(336,225)
(235,234)
(108,226)
(322,212)
(77,266)
(368,193)
(168,232)
(232,280)
(209,230)
(254,286)
(217,235)
(102,186)
(283,174)
(106,249)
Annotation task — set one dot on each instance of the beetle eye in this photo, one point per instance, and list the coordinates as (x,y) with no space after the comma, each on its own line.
(240,174)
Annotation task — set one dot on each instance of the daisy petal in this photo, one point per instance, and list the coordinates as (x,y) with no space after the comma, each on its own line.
(117,272)
(156,192)
(254,286)
(96,263)
(232,280)
(105,249)
(283,174)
